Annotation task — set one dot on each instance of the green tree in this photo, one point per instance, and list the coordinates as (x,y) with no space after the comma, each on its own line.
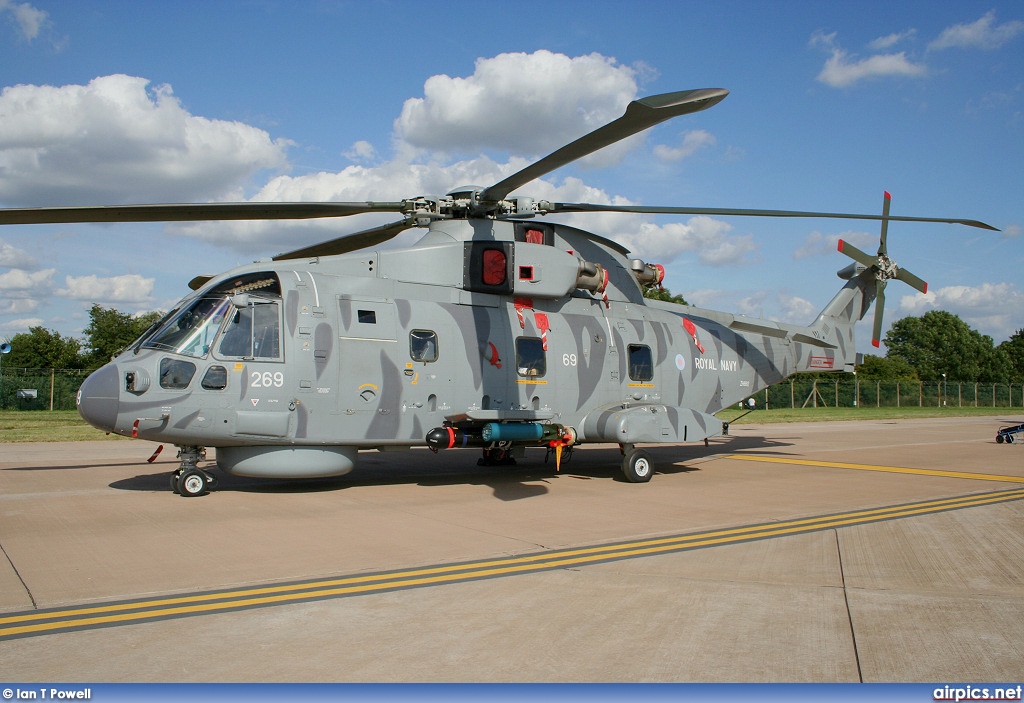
(1014,348)
(940,343)
(658,293)
(40,348)
(882,368)
(110,331)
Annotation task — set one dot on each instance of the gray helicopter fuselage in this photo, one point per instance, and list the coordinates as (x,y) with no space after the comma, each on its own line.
(289,368)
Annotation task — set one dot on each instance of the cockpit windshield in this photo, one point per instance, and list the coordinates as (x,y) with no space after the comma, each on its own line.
(192,329)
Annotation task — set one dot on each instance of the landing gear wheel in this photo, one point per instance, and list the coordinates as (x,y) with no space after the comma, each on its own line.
(999,439)
(175,475)
(637,466)
(1010,439)
(192,483)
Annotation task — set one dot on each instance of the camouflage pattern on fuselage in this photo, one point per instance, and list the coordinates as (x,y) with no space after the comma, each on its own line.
(303,362)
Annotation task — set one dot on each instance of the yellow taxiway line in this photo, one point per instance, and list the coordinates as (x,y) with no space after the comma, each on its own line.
(40,622)
(869,467)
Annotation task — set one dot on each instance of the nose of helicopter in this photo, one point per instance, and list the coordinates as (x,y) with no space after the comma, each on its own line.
(97,398)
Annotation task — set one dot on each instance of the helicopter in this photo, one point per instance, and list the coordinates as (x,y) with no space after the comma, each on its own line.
(496,330)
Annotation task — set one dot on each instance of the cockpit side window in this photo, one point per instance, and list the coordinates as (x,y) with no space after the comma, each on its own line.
(253,331)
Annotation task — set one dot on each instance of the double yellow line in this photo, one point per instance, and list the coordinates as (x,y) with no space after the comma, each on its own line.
(884,469)
(42,622)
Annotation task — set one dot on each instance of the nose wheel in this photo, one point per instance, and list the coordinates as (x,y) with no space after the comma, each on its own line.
(189,480)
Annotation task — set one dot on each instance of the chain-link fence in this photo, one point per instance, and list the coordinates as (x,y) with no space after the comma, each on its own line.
(40,389)
(845,392)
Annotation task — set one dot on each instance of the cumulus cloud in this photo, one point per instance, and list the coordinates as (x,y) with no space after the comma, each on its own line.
(841,70)
(991,308)
(129,288)
(818,244)
(28,19)
(361,151)
(115,141)
(983,33)
(795,309)
(890,40)
(693,141)
(517,102)
(22,325)
(118,139)
(19,306)
(12,257)
(18,283)
(711,239)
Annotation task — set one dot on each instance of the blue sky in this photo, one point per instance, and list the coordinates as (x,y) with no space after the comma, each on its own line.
(831,104)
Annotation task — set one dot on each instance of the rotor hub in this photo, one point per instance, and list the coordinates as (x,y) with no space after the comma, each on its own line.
(886,268)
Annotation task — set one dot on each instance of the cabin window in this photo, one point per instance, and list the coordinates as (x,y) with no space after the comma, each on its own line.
(423,345)
(215,379)
(641,363)
(176,374)
(531,359)
(367,317)
(253,331)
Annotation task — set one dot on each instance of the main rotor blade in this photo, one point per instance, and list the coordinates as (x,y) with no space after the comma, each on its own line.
(911,280)
(658,210)
(350,242)
(187,212)
(640,115)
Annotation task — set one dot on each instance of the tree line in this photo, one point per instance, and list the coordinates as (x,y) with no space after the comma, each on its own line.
(933,347)
(109,332)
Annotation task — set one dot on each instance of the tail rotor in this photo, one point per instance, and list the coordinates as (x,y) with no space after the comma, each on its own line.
(884,269)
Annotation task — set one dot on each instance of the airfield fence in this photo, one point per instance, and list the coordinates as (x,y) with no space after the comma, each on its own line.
(847,393)
(55,389)
(40,389)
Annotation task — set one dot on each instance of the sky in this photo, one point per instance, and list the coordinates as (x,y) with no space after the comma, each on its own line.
(830,105)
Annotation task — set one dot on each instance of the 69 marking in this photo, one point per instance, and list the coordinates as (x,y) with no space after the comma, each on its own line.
(266,379)
(568,359)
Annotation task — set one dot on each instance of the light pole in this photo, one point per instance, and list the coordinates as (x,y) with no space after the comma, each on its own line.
(944,387)
(5,348)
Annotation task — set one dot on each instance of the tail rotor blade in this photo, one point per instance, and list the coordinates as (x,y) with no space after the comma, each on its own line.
(856,254)
(912,280)
(886,202)
(876,331)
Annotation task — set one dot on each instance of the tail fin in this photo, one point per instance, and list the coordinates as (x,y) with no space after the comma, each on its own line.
(835,322)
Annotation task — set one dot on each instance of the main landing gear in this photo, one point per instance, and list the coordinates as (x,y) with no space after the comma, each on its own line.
(637,466)
(189,480)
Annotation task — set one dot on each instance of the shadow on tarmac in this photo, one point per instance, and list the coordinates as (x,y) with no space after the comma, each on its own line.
(529,478)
